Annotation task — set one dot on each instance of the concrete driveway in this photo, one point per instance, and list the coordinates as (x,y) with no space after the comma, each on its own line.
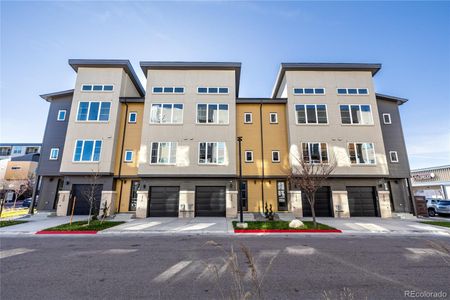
(204,225)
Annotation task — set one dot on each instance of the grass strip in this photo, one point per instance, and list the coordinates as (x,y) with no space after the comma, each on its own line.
(83,226)
(284,225)
(11,223)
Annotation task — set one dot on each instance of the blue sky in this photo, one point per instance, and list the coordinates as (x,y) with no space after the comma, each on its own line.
(410,39)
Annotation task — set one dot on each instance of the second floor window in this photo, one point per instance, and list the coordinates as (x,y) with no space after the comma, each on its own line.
(93,111)
(132,117)
(61,115)
(311,113)
(163,153)
(276,156)
(393,156)
(361,153)
(211,153)
(315,153)
(248,156)
(212,113)
(87,151)
(248,118)
(54,153)
(166,113)
(356,114)
(128,156)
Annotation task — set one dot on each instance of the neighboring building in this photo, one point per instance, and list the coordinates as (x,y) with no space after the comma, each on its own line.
(432,182)
(18,149)
(19,171)
(172,150)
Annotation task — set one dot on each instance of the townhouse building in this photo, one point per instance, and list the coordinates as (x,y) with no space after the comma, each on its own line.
(9,150)
(170,150)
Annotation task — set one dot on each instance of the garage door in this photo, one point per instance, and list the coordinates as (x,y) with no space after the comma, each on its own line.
(322,205)
(164,201)
(362,201)
(210,201)
(83,194)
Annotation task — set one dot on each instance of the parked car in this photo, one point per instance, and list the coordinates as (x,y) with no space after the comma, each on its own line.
(27,202)
(438,206)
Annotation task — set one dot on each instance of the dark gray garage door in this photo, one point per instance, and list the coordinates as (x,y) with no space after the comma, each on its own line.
(210,201)
(362,201)
(322,205)
(164,201)
(83,194)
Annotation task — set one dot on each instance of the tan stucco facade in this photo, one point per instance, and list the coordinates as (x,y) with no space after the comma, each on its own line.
(335,134)
(189,134)
(106,131)
(127,171)
(274,138)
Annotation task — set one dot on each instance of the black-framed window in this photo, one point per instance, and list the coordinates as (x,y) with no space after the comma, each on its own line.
(244,195)
(281,195)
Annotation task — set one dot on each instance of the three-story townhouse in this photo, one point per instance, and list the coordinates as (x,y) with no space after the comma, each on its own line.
(188,145)
(89,155)
(332,117)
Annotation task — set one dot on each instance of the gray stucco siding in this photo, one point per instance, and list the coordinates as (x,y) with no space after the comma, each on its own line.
(54,136)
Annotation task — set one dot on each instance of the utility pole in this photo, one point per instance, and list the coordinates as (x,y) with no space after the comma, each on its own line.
(239,139)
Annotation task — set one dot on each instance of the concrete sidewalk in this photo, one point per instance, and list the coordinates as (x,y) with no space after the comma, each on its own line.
(37,223)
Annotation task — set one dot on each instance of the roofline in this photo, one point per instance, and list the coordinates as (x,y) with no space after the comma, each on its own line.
(261,100)
(431,168)
(399,100)
(132,99)
(373,68)
(50,96)
(186,65)
(110,63)
(20,144)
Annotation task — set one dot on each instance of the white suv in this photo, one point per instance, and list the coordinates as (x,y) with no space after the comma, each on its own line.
(438,206)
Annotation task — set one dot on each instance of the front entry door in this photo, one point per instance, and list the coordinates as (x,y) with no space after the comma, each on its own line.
(281,195)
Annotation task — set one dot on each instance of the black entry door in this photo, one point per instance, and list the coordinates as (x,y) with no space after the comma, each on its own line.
(85,193)
(164,201)
(362,201)
(210,201)
(323,207)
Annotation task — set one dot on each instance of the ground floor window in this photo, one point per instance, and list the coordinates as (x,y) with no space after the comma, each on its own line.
(244,195)
(133,194)
(281,195)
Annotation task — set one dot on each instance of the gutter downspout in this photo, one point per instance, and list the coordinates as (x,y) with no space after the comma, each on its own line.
(262,152)
(121,155)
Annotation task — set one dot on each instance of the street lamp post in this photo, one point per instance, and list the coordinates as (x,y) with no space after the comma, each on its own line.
(241,215)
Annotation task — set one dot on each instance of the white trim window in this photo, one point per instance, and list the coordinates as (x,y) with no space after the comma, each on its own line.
(309,91)
(132,117)
(273,118)
(212,113)
(248,118)
(248,156)
(87,151)
(387,119)
(362,153)
(166,113)
(212,90)
(93,111)
(168,90)
(97,87)
(393,155)
(163,153)
(54,153)
(276,156)
(61,115)
(356,114)
(311,113)
(211,153)
(315,153)
(128,156)
(352,91)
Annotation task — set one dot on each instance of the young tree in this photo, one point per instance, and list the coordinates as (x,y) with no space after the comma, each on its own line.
(309,177)
(91,194)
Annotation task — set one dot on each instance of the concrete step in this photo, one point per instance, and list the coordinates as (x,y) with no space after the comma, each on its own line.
(123,217)
(403,216)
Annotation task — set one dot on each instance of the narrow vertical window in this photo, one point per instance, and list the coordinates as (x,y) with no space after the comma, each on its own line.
(61,115)
(54,153)
(276,156)
(273,118)
(132,117)
(248,118)
(387,119)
